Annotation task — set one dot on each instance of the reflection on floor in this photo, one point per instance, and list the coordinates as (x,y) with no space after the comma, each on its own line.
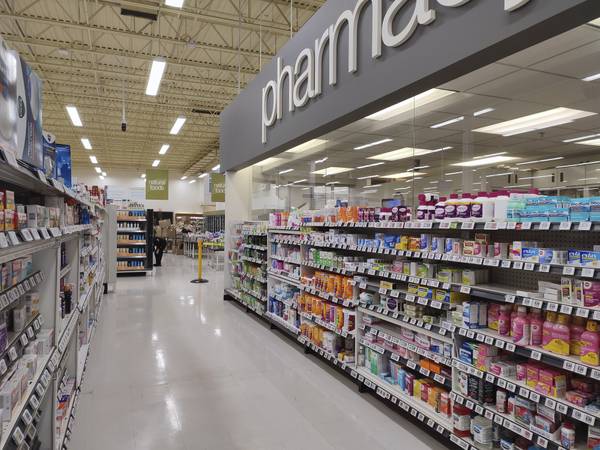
(173,366)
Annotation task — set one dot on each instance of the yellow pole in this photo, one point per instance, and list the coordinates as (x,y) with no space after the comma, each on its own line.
(199,259)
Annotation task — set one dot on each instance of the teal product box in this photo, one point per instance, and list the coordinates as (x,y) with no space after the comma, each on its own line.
(558,215)
(579,209)
(595,209)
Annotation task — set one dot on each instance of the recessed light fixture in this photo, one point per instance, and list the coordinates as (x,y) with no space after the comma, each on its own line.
(538,121)
(104,174)
(441,149)
(331,171)
(592,77)
(578,164)
(490,155)
(177,125)
(192,181)
(410,104)
(74,116)
(93,159)
(482,161)
(404,175)
(86,143)
(202,175)
(499,175)
(581,138)
(98,169)
(157,70)
(183,178)
(305,189)
(101,177)
(174,3)
(434,182)
(164,149)
(285,171)
(483,111)
(332,182)
(453,173)
(266,162)
(143,175)
(448,122)
(307,146)
(402,153)
(540,161)
(536,177)
(594,142)
(322,160)
(216,168)
(156,163)
(299,181)
(367,177)
(373,144)
(370,165)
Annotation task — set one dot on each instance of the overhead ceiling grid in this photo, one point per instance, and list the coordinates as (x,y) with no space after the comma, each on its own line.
(97,55)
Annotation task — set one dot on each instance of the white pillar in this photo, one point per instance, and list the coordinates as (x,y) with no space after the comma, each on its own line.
(238,207)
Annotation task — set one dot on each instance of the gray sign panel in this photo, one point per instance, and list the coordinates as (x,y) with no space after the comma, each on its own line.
(444,39)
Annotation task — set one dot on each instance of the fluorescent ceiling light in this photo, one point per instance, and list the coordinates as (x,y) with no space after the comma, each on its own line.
(101,177)
(286,171)
(157,70)
(483,111)
(367,177)
(332,182)
(299,181)
(373,144)
(74,116)
(410,104)
(417,168)
(370,165)
(587,179)
(592,77)
(305,189)
(402,153)
(104,174)
(453,173)
(404,175)
(192,181)
(174,3)
(594,142)
(202,175)
(331,171)
(538,121)
(540,161)
(517,186)
(499,175)
(216,168)
(143,175)
(183,178)
(581,138)
(93,159)
(485,161)
(536,177)
(490,155)
(441,149)
(177,125)
(98,169)
(402,188)
(164,149)
(307,145)
(415,178)
(266,162)
(578,164)
(434,182)
(156,163)
(448,122)
(370,191)
(322,160)
(86,143)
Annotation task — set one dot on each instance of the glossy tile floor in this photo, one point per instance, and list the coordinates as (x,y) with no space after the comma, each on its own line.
(173,366)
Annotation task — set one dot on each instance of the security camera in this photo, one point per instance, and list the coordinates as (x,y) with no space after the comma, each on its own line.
(123,126)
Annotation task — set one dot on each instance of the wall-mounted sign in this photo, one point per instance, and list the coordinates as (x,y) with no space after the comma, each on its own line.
(217,187)
(157,184)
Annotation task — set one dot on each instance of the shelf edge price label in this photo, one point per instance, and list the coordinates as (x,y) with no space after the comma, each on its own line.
(584,226)
(587,272)
(568,270)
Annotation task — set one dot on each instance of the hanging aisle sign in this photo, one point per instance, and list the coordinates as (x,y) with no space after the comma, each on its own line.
(157,184)
(217,187)
(356,57)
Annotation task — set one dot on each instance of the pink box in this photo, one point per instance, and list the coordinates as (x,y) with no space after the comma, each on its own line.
(591,293)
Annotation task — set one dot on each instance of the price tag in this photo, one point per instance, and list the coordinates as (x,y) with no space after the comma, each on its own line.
(18,436)
(569,270)
(536,355)
(544,225)
(582,312)
(509,346)
(45,234)
(584,226)
(595,374)
(26,234)
(27,417)
(467,226)
(562,408)
(12,354)
(13,239)
(502,383)
(550,403)
(529,266)
(34,402)
(581,370)
(24,340)
(566,309)
(526,226)
(505,264)
(587,272)
(465,289)
(518,265)
(534,397)
(564,226)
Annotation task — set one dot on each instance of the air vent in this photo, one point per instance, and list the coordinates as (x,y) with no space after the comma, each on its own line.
(140,14)
(205,111)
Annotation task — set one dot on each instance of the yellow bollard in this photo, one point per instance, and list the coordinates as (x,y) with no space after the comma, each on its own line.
(199,279)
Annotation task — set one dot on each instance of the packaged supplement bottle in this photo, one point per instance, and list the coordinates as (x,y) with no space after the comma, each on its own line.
(501,206)
(422,208)
(577,329)
(504,321)
(536,327)
(461,420)
(548,328)
(561,336)
(521,327)
(590,344)
(451,205)
(567,435)
(463,208)
(440,209)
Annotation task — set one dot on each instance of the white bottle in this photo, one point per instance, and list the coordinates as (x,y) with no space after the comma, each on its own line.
(482,208)
(501,206)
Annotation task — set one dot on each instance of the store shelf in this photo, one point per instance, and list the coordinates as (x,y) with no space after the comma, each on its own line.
(238,297)
(284,276)
(290,241)
(254,294)
(348,272)
(14,293)
(130,244)
(126,230)
(276,320)
(346,367)
(252,260)
(121,219)
(284,259)
(327,325)
(329,297)
(260,248)
(252,277)
(131,257)
(286,302)
(142,269)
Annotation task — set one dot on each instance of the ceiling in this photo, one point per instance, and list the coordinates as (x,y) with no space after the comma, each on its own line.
(546,76)
(92,56)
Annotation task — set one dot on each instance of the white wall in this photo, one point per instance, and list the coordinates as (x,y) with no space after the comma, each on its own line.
(183,196)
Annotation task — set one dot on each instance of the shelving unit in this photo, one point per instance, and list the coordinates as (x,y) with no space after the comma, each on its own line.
(50,302)
(403,318)
(134,239)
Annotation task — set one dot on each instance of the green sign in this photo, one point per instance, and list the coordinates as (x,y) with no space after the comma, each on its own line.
(157,184)
(217,187)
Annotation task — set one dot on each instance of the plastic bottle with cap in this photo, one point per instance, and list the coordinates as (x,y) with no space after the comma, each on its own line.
(501,206)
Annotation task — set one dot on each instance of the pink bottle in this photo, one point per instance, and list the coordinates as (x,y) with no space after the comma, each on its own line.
(590,344)
(537,325)
(577,329)
(521,331)
(504,320)
(548,328)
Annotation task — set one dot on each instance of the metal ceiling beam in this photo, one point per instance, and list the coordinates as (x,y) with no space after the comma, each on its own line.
(128,34)
(107,51)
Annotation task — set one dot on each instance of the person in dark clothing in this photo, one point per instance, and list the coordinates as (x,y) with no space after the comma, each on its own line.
(160,244)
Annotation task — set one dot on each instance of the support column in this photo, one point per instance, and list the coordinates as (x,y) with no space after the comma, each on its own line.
(238,207)
(467,175)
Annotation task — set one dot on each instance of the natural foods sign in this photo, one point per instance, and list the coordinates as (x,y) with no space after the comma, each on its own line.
(157,184)
(217,187)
